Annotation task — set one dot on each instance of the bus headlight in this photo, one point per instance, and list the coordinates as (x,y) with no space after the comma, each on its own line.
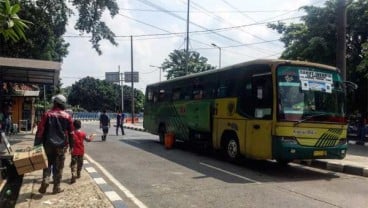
(288,140)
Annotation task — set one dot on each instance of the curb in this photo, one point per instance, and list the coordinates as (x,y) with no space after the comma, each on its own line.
(134,128)
(358,143)
(114,198)
(336,167)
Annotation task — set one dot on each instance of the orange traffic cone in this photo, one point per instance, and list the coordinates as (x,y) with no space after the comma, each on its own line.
(169,140)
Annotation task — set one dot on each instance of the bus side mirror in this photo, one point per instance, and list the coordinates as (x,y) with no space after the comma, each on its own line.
(350,85)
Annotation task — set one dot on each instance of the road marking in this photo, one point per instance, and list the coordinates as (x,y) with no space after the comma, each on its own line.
(91,170)
(99,180)
(230,173)
(112,195)
(117,183)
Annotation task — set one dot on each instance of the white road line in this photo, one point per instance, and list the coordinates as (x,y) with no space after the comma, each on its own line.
(117,183)
(99,180)
(230,173)
(91,170)
(112,195)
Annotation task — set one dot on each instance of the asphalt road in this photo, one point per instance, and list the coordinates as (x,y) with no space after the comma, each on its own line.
(145,174)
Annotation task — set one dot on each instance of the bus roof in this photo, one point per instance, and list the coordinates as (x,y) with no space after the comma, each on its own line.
(257,61)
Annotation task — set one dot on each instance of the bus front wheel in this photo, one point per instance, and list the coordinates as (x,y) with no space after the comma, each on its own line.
(283,162)
(231,149)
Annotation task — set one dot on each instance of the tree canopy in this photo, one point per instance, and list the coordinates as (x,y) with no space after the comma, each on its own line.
(314,39)
(94,95)
(175,64)
(49,17)
(11,26)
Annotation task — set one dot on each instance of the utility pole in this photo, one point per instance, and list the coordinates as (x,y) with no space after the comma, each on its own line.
(131,68)
(341,37)
(187,46)
(121,82)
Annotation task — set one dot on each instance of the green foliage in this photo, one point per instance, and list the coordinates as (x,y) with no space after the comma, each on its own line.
(89,21)
(363,66)
(94,95)
(175,65)
(314,39)
(45,38)
(11,26)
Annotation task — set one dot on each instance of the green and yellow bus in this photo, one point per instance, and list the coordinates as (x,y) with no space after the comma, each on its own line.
(262,109)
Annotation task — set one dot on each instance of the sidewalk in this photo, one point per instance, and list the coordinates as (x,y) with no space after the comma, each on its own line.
(355,162)
(86,193)
(83,193)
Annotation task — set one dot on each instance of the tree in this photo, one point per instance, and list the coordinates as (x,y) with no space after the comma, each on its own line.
(314,39)
(11,26)
(94,95)
(50,17)
(175,65)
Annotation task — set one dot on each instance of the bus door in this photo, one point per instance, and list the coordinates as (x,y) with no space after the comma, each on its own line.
(259,126)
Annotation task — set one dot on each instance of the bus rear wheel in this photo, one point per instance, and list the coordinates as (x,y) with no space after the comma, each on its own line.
(231,149)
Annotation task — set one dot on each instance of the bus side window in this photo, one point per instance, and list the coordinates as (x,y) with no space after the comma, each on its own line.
(150,95)
(221,91)
(155,98)
(176,94)
(246,100)
(197,92)
(162,94)
(262,96)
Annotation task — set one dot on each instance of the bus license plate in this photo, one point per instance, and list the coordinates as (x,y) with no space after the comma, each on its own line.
(319,153)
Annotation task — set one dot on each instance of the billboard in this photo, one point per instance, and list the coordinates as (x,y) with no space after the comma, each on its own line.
(128,77)
(112,76)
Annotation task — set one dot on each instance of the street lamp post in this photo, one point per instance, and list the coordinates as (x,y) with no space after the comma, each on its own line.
(159,69)
(214,45)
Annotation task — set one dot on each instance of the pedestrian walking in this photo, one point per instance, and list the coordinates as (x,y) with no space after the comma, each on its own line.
(104,124)
(55,133)
(362,126)
(119,123)
(76,163)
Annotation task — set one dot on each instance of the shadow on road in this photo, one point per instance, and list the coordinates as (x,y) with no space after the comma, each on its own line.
(211,164)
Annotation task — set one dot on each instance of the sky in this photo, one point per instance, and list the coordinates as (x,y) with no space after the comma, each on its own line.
(237,27)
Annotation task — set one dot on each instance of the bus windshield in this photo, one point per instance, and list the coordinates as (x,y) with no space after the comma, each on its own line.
(310,94)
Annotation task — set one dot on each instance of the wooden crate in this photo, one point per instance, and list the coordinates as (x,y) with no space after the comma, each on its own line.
(30,159)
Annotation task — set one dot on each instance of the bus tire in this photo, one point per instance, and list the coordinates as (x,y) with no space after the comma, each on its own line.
(283,163)
(161,133)
(231,149)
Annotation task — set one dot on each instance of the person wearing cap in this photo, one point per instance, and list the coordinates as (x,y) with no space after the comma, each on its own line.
(55,132)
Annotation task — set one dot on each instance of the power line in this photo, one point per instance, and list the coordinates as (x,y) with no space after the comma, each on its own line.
(216,11)
(227,22)
(145,23)
(181,18)
(192,32)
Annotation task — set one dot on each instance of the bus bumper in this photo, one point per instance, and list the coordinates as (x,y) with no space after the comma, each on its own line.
(290,151)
